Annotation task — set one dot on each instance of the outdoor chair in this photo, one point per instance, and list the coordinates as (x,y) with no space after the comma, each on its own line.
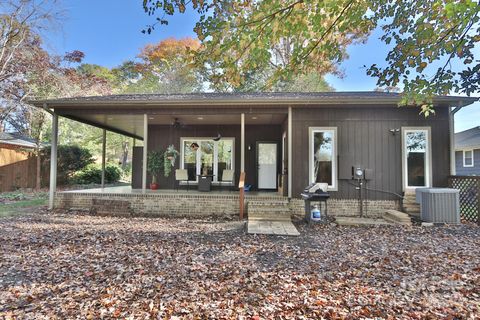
(228,177)
(181,175)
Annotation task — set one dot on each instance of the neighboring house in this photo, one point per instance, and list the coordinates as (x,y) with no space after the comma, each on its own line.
(467,152)
(17,162)
(297,138)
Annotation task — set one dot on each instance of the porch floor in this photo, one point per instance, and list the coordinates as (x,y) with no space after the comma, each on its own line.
(192,191)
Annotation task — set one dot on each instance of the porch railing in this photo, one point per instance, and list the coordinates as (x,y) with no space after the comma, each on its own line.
(241,188)
(469,187)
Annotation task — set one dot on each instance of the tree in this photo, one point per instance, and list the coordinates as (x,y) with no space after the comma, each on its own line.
(20,22)
(290,37)
(426,37)
(163,68)
(432,51)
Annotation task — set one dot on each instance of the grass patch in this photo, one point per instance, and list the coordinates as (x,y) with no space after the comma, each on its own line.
(16,203)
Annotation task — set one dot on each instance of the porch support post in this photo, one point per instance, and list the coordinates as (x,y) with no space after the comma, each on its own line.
(290,153)
(53,162)
(451,122)
(104,149)
(242,143)
(145,152)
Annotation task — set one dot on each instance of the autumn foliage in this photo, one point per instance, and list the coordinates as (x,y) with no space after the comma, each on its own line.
(169,49)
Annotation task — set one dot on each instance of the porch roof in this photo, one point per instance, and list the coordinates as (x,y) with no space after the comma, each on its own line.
(124,113)
(241,99)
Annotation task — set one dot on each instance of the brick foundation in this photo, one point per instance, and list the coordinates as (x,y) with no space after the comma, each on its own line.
(198,205)
(349,207)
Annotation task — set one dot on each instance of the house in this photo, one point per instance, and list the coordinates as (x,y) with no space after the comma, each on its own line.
(282,141)
(17,162)
(467,152)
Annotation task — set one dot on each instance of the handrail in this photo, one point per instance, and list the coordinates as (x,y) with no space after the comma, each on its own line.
(241,187)
(241,181)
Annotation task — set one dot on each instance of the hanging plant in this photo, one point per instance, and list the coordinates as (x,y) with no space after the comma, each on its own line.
(170,155)
(194,146)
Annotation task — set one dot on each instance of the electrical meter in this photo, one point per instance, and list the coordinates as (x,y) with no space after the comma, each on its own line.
(358,173)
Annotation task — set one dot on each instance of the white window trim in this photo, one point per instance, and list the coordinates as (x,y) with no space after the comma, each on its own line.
(468,165)
(428,169)
(311,131)
(215,156)
(284,145)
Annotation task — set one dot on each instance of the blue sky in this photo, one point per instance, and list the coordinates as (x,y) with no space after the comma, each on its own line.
(108,32)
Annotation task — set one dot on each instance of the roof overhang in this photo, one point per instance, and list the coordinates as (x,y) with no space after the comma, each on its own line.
(141,101)
(133,106)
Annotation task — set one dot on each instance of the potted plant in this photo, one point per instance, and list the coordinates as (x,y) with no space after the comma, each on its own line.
(170,156)
(154,166)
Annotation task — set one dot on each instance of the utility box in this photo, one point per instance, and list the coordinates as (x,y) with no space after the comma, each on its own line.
(439,205)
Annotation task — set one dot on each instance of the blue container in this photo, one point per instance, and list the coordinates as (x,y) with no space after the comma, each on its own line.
(316,214)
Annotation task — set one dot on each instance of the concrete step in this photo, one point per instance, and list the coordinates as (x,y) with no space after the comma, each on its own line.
(269,218)
(274,210)
(270,210)
(281,228)
(268,204)
(351,221)
(397,217)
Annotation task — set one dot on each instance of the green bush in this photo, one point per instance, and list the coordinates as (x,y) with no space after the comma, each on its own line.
(71,158)
(93,174)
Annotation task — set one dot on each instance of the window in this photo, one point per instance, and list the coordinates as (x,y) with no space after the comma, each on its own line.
(468,158)
(207,157)
(416,157)
(323,156)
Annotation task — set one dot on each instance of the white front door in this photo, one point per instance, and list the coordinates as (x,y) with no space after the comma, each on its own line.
(267,165)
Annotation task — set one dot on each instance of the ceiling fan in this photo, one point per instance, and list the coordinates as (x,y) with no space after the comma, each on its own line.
(176,124)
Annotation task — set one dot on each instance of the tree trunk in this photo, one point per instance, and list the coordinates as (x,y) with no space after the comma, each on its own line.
(124,154)
(38,179)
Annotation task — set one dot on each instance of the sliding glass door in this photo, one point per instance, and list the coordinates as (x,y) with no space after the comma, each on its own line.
(204,156)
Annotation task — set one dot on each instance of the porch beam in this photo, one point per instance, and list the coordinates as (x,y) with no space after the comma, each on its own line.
(145,152)
(104,149)
(290,153)
(53,162)
(242,143)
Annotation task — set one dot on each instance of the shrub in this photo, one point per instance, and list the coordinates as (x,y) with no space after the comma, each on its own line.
(70,159)
(93,174)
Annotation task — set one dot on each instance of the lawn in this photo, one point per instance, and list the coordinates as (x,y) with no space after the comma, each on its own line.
(75,266)
(13,203)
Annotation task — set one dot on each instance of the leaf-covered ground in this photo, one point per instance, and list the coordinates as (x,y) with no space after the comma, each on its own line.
(73,266)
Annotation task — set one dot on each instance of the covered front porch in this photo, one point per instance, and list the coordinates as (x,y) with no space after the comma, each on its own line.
(253,140)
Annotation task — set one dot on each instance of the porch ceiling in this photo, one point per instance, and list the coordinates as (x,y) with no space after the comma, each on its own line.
(132,124)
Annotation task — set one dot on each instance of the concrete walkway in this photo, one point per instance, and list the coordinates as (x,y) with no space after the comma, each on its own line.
(280,228)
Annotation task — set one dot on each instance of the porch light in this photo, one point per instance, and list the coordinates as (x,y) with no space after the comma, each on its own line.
(194,146)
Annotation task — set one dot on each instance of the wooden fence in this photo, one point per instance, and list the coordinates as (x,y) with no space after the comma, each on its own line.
(469,187)
(21,174)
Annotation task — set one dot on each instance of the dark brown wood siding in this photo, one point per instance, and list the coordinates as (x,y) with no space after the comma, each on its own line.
(159,137)
(137,159)
(363,138)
